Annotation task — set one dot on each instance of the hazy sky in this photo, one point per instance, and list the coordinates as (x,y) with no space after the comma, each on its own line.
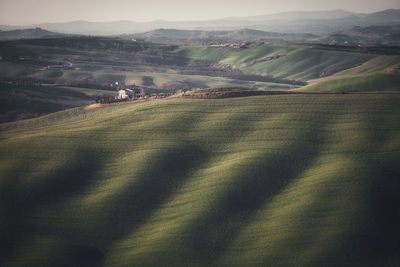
(23,12)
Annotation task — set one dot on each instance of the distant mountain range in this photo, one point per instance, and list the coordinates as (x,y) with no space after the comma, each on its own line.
(314,22)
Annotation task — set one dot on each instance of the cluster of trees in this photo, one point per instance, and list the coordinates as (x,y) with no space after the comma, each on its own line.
(109,100)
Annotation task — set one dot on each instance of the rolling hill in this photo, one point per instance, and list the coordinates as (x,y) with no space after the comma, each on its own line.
(253,181)
(366,83)
(299,62)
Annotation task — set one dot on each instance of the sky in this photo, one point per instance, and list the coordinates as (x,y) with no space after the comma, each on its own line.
(26,12)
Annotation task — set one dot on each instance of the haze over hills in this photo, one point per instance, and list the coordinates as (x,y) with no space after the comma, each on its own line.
(316,22)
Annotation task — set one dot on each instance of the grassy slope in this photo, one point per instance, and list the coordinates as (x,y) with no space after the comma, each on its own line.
(374,82)
(309,63)
(243,56)
(269,180)
(377,64)
(299,62)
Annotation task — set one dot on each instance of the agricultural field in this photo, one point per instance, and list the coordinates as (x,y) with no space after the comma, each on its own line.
(285,180)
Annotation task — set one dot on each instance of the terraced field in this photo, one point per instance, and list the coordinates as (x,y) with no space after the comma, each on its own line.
(267,180)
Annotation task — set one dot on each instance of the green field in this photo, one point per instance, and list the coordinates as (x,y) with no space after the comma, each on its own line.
(298,62)
(366,83)
(290,180)
(309,63)
(376,65)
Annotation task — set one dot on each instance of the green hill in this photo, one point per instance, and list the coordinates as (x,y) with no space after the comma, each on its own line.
(375,65)
(298,62)
(374,82)
(310,63)
(267,180)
